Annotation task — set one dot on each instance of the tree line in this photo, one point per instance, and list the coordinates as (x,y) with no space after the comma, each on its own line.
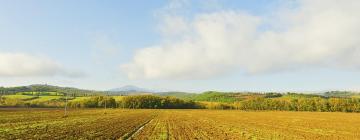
(131,102)
(296,104)
(311,103)
(154,102)
(332,104)
(135,102)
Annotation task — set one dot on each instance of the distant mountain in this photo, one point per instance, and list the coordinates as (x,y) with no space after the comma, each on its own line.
(131,88)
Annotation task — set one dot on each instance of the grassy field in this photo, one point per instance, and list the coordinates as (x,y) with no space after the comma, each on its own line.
(175,124)
(20,97)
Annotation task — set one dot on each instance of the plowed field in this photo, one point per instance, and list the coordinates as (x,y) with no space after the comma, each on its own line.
(175,124)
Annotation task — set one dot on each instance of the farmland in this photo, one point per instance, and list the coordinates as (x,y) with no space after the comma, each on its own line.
(87,124)
(175,124)
(36,112)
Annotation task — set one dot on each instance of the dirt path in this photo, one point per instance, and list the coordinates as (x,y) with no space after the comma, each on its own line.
(130,135)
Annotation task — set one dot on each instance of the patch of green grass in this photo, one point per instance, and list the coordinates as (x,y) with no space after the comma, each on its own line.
(21,97)
(118,98)
(33,98)
(355,96)
(47,98)
(79,98)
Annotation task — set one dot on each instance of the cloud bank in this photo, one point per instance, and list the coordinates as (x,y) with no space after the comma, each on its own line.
(26,65)
(321,33)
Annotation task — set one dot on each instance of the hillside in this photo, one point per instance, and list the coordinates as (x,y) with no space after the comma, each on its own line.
(209,96)
(48,89)
(215,96)
(341,94)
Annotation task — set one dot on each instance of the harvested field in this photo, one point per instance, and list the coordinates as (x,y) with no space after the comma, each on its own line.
(87,124)
(175,124)
(216,124)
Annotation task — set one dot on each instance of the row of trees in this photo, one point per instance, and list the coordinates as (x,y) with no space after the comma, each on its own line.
(160,102)
(297,104)
(150,101)
(94,102)
(256,103)
(133,102)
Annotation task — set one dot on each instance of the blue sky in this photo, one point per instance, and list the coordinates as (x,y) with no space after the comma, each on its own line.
(245,45)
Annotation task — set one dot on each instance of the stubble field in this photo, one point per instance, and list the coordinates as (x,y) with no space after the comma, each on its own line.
(175,124)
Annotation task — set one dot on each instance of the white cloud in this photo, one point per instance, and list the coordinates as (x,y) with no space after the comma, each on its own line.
(22,65)
(322,33)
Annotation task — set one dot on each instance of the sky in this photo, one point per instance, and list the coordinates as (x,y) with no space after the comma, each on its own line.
(182,45)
